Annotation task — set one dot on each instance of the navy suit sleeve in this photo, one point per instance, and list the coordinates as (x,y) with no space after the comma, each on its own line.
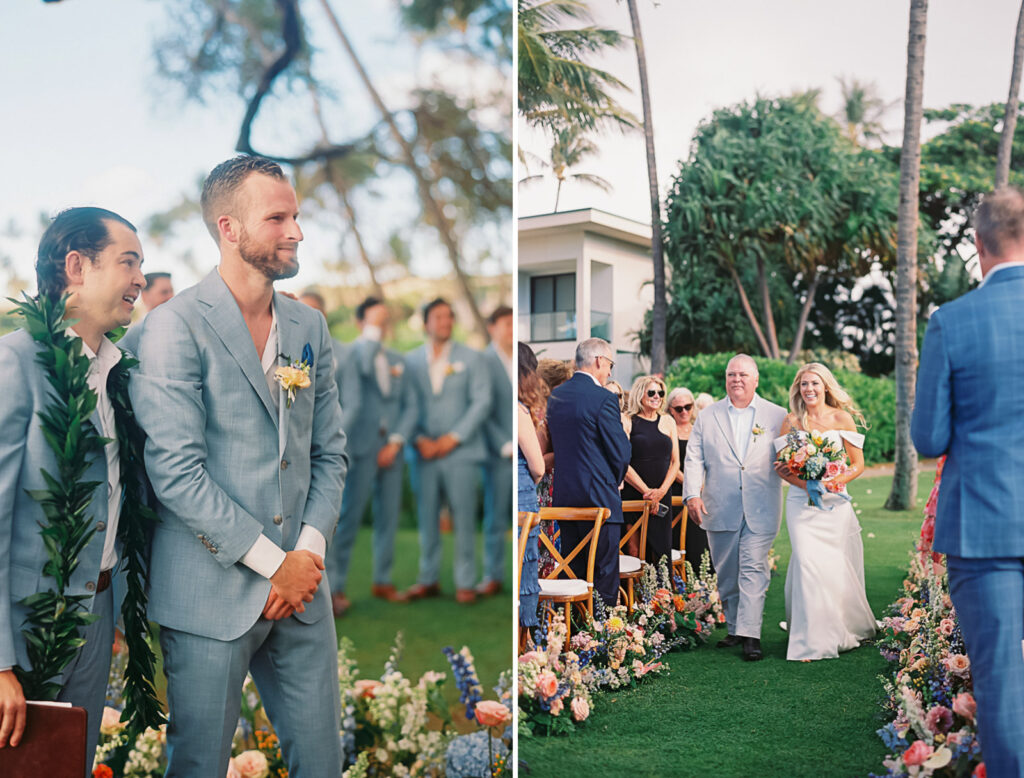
(931,425)
(613,438)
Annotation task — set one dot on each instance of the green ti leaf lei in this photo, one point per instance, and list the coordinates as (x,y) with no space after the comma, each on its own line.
(54,617)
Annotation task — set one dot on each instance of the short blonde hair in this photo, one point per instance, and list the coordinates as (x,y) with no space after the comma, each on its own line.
(703,401)
(835,395)
(635,406)
(621,393)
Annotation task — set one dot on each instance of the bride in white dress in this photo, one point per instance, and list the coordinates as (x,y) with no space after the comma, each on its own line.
(826,607)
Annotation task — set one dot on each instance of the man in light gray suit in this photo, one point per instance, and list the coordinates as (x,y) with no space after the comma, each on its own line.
(453,395)
(157,291)
(498,430)
(247,458)
(94,255)
(378,415)
(732,491)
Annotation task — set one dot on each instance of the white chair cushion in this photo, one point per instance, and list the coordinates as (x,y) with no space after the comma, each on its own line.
(676,554)
(563,587)
(629,564)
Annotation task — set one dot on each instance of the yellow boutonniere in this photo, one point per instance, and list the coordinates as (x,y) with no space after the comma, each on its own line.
(757,430)
(454,367)
(296,374)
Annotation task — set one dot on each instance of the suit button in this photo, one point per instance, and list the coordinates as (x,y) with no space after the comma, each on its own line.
(742,467)
(90,587)
(100,526)
(284,464)
(278,519)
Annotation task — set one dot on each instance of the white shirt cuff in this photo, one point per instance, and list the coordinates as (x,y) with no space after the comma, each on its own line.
(396,438)
(5,669)
(506,450)
(264,557)
(372,332)
(311,539)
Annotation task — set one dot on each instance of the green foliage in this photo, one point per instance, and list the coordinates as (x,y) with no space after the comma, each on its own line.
(876,397)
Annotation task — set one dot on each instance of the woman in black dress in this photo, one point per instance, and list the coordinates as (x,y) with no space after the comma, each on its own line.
(682,408)
(654,463)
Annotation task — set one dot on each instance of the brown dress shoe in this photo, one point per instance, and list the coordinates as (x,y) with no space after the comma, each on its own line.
(488,588)
(339,604)
(465,596)
(421,591)
(388,592)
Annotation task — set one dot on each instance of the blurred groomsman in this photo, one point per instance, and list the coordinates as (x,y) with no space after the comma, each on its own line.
(339,351)
(498,430)
(453,394)
(157,291)
(378,415)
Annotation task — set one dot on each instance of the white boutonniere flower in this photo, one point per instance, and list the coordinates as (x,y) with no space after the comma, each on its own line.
(757,430)
(455,367)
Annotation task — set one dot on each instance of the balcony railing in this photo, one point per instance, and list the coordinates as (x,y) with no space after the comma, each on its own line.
(558,325)
(601,325)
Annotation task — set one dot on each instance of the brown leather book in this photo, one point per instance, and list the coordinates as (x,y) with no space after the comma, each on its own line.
(53,744)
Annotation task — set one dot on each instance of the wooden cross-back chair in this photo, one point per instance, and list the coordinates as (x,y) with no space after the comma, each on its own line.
(571,589)
(631,567)
(679,520)
(525,522)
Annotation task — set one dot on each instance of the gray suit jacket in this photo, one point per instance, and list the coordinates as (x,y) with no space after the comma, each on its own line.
(735,489)
(368,415)
(223,467)
(24,452)
(498,428)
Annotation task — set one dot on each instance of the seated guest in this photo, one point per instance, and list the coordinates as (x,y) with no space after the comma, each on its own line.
(681,405)
(592,453)
(532,405)
(653,464)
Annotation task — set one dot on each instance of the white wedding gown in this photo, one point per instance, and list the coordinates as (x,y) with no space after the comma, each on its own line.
(826,606)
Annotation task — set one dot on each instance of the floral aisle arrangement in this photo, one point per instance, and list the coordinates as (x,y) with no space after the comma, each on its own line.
(484,752)
(559,678)
(928,686)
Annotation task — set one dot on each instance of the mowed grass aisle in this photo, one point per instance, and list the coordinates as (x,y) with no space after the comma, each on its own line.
(715,715)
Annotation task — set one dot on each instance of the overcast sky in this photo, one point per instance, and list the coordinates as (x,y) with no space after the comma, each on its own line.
(85,121)
(703,56)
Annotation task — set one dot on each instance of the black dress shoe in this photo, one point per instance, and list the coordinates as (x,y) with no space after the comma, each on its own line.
(752,649)
(729,641)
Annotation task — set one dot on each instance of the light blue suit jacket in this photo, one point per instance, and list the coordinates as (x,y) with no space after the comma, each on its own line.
(214,455)
(970,406)
(23,453)
(499,421)
(368,415)
(462,405)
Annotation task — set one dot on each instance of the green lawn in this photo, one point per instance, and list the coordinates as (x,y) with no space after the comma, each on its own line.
(715,715)
(427,625)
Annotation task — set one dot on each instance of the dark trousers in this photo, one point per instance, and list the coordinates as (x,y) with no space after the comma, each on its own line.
(606,563)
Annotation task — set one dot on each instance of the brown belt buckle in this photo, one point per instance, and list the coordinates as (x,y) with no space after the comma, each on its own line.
(103,581)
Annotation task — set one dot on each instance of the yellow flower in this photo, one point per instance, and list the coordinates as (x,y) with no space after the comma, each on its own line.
(291,378)
(615,624)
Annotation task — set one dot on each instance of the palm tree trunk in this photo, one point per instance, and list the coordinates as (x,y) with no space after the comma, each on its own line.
(424,186)
(766,307)
(558,194)
(904,484)
(801,325)
(749,311)
(1010,119)
(658,314)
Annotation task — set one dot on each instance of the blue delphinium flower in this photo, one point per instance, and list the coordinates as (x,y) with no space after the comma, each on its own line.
(470,690)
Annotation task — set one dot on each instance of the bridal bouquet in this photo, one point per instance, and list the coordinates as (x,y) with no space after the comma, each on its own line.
(815,459)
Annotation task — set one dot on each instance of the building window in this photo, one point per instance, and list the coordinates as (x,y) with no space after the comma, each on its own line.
(553,307)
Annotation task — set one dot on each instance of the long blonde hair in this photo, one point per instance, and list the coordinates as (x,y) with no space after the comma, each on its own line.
(635,404)
(835,395)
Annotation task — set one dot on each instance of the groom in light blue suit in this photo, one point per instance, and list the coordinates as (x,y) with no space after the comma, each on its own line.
(247,457)
(454,397)
(379,416)
(970,407)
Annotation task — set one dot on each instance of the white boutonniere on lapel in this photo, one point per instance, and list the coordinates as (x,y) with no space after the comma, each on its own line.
(295,375)
(455,367)
(757,430)
(397,370)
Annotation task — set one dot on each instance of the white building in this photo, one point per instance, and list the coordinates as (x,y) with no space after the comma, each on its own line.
(585,274)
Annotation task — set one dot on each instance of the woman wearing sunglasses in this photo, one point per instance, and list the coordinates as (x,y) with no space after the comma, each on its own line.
(682,407)
(654,463)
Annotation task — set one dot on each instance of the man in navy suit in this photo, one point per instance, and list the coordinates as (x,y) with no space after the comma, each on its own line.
(970,407)
(591,457)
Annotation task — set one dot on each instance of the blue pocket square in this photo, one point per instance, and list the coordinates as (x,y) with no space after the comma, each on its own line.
(307,355)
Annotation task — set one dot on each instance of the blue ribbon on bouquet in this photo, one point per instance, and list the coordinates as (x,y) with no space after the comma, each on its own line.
(815,491)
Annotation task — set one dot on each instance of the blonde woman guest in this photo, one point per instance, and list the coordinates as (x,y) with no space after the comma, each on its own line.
(616,388)
(826,606)
(682,408)
(653,464)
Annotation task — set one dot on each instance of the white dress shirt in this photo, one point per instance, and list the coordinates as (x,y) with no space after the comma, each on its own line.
(742,422)
(265,556)
(437,365)
(381,368)
(997,268)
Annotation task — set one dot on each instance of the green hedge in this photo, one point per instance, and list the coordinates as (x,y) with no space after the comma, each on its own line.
(876,397)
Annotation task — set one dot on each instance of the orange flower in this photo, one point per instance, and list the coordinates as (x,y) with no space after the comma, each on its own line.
(366,688)
(102,771)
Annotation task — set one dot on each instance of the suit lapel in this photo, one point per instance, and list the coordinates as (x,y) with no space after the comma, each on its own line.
(225,318)
(722,417)
(291,341)
(756,402)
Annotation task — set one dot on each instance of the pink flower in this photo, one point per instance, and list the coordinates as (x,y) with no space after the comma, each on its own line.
(958,665)
(946,627)
(832,469)
(939,719)
(979,771)
(491,713)
(232,770)
(547,683)
(252,764)
(111,722)
(366,688)
(528,657)
(965,706)
(918,753)
(556,706)
(580,709)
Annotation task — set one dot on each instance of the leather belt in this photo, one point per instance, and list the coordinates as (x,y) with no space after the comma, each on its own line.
(103,582)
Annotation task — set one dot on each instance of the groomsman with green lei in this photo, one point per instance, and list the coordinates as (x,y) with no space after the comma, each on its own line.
(95,257)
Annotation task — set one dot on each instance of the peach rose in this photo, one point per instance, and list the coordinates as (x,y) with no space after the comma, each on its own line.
(965,706)
(832,469)
(252,764)
(528,657)
(491,713)
(366,688)
(580,709)
(547,683)
(918,753)
(232,770)
(556,706)
(111,723)
(946,627)
(958,664)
